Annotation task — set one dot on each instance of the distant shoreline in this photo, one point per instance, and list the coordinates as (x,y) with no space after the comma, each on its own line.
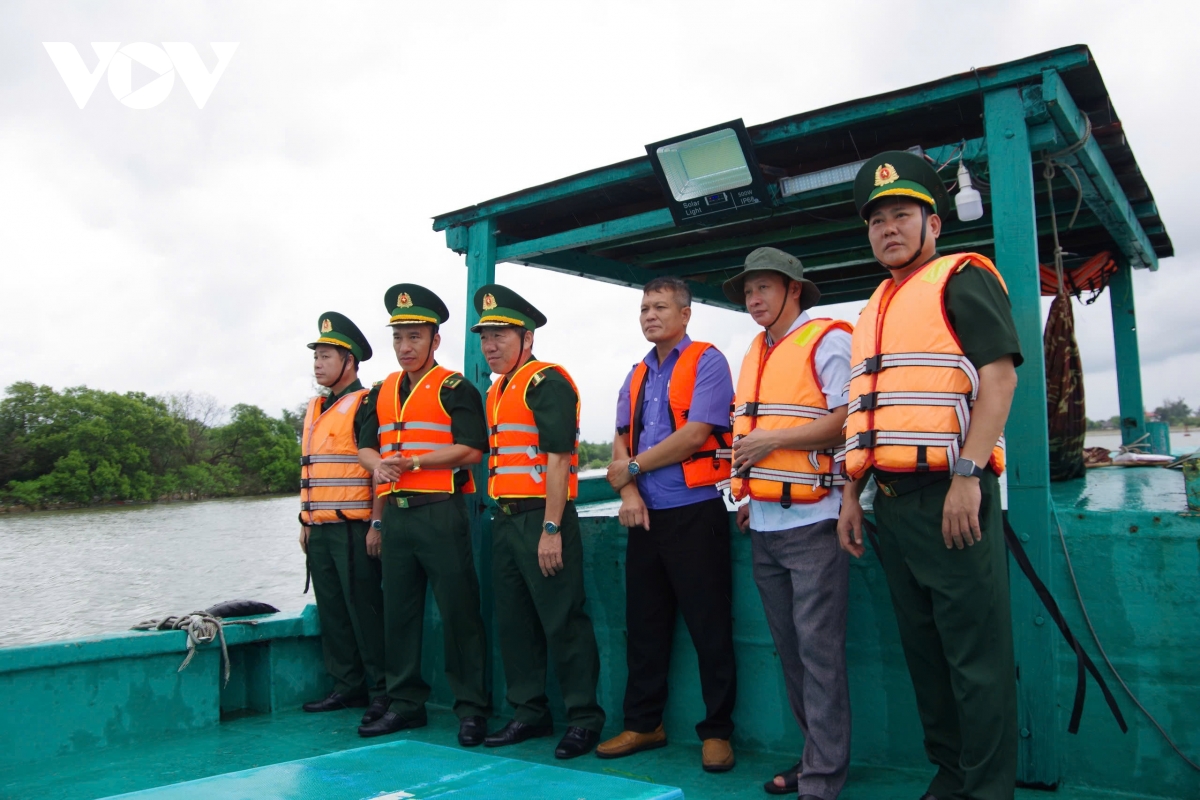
(19,509)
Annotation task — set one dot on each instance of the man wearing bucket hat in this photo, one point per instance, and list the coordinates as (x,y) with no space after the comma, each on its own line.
(425,427)
(335,503)
(537,553)
(788,414)
(934,368)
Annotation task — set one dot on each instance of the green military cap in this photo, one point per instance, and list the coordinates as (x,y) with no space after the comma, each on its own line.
(411,304)
(773,260)
(337,330)
(500,306)
(897,173)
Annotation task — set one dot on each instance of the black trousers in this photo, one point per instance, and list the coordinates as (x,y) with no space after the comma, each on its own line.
(681,564)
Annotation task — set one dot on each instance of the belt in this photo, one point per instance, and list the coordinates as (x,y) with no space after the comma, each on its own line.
(512,507)
(911,484)
(416,501)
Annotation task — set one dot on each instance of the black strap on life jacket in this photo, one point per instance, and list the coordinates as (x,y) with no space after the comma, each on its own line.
(1084,663)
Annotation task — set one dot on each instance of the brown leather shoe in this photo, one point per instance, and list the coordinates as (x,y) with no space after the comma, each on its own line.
(627,743)
(717,755)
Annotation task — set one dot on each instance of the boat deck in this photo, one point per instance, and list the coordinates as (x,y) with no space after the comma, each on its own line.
(258,740)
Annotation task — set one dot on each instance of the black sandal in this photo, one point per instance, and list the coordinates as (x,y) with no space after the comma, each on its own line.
(791,777)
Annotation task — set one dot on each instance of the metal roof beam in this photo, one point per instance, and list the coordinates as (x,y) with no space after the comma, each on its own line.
(587,235)
(606,270)
(1101,190)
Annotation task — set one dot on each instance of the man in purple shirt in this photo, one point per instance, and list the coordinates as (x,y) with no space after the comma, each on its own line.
(670,452)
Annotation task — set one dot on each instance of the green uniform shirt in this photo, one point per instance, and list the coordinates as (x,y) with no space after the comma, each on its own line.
(980,313)
(462,401)
(553,401)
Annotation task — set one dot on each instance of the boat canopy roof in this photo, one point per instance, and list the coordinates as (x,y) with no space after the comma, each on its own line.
(615,223)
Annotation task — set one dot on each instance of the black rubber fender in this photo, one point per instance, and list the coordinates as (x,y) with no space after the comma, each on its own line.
(240,608)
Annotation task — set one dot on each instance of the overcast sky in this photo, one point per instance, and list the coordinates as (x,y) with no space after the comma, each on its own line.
(177,248)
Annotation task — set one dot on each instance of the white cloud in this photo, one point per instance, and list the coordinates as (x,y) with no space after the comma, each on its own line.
(183,249)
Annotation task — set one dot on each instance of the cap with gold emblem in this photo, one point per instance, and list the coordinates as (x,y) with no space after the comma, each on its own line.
(412,304)
(897,173)
(500,306)
(337,330)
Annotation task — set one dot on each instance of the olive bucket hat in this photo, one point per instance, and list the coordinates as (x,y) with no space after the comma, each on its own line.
(773,260)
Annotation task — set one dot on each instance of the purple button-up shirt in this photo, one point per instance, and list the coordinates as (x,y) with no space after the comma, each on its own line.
(711,398)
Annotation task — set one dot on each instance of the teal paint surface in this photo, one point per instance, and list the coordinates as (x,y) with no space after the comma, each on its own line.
(80,728)
(588,235)
(1128,357)
(1026,436)
(1160,438)
(1101,190)
(409,770)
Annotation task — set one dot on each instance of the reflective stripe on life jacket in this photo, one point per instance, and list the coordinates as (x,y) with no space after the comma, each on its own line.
(516,465)
(778,388)
(911,386)
(711,464)
(333,487)
(418,426)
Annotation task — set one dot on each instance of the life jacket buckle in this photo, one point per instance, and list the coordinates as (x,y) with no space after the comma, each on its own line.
(866,440)
(868,402)
(751,410)
(873,364)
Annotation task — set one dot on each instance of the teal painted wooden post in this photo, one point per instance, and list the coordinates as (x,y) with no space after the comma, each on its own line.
(1014,225)
(1125,343)
(481,269)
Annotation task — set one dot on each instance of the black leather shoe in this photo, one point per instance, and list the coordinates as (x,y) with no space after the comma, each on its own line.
(336,702)
(576,742)
(379,705)
(390,722)
(472,731)
(517,732)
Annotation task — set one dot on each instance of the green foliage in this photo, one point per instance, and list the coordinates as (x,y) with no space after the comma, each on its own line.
(83,446)
(1173,412)
(593,455)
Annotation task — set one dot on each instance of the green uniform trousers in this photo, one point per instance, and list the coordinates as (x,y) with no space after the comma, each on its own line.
(349,605)
(431,546)
(955,623)
(533,611)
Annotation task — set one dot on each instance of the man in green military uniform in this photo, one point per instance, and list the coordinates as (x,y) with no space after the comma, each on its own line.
(938,507)
(533,419)
(423,430)
(334,519)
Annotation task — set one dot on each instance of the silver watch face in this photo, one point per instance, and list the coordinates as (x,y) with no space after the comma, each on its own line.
(964,467)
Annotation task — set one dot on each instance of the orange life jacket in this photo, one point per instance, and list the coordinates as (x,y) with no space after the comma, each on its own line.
(911,386)
(711,464)
(333,487)
(419,426)
(516,464)
(778,388)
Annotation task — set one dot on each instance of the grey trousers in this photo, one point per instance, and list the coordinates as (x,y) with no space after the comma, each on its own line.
(803,578)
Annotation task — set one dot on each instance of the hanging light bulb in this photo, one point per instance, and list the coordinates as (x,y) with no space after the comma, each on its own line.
(968,203)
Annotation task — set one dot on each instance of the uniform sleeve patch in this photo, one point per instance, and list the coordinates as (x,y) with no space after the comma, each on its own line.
(538,378)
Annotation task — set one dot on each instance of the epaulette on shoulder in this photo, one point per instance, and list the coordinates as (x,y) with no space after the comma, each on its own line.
(538,378)
(452,381)
(376,384)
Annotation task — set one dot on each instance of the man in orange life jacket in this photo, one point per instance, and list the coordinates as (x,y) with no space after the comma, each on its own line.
(671,450)
(335,506)
(425,427)
(537,554)
(788,416)
(933,372)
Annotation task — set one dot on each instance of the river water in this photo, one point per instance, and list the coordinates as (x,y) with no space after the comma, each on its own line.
(65,574)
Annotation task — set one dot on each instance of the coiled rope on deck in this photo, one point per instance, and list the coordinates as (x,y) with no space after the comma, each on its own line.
(201,628)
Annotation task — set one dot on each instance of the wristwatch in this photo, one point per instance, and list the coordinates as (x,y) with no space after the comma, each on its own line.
(416,464)
(550,528)
(377,524)
(634,468)
(966,468)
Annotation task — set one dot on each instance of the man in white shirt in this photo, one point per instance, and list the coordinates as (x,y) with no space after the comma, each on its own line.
(788,418)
